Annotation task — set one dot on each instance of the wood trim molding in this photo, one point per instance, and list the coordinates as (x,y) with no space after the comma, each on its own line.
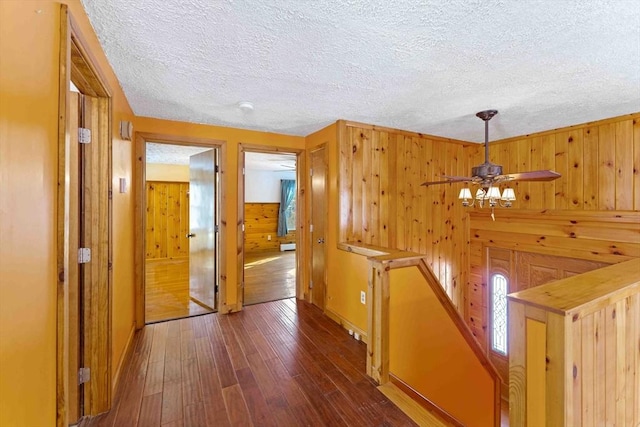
(62,297)
(348,123)
(300,214)
(428,405)
(139,178)
(346,324)
(126,356)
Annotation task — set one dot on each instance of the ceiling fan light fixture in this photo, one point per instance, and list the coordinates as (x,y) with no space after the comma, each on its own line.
(508,195)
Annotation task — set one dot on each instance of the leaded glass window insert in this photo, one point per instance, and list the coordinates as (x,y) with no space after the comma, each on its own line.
(499,288)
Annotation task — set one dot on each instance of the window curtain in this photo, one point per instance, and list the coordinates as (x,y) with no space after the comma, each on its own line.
(287,191)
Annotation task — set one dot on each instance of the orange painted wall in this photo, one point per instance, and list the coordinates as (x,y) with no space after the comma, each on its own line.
(346,272)
(424,346)
(29,69)
(232,137)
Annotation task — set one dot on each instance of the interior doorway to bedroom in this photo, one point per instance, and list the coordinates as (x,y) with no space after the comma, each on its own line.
(181,230)
(270,226)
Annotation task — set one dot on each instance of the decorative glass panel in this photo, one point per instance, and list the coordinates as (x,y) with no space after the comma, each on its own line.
(499,289)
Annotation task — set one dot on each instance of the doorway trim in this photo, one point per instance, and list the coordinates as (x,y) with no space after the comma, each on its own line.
(300,214)
(325,158)
(140,220)
(77,63)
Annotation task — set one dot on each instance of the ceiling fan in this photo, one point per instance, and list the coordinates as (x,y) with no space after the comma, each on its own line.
(489,174)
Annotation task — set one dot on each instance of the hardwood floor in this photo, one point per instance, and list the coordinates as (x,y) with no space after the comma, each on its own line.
(167,290)
(269,276)
(281,363)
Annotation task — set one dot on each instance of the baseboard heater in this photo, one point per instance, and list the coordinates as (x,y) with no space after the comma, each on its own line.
(287,247)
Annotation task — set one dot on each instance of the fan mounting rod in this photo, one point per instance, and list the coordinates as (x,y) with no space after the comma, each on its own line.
(486,115)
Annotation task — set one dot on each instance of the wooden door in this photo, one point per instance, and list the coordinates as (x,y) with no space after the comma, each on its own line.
(202,228)
(318,224)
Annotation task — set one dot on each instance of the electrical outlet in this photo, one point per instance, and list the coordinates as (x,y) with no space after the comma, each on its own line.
(269,237)
(363,297)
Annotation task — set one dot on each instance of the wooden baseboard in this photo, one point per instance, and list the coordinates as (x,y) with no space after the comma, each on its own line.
(346,324)
(125,357)
(428,405)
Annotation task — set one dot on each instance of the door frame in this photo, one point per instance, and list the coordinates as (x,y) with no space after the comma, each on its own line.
(140,220)
(77,63)
(300,214)
(325,158)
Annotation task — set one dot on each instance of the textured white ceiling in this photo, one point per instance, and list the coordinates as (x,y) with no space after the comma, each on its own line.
(425,66)
(179,155)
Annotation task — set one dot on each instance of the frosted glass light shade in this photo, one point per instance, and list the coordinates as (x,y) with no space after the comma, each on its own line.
(493,193)
(465,194)
(508,194)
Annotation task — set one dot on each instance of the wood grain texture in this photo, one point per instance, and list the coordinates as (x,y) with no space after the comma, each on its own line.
(261,221)
(167,222)
(305,370)
(590,351)
(382,202)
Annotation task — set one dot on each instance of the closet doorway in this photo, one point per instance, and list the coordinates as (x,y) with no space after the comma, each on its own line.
(181,230)
(270,226)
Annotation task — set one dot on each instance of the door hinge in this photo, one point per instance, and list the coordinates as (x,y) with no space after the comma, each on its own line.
(110,194)
(84,375)
(84,135)
(243,227)
(84,255)
(217,169)
(310,284)
(311,228)
(242,171)
(216,228)
(310,171)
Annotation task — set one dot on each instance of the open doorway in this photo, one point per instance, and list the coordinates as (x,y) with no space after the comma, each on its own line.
(270,209)
(181,231)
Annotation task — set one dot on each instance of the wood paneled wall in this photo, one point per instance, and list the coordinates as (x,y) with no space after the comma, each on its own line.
(591,212)
(167,219)
(599,163)
(601,236)
(383,204)
(574,350)
(261,221)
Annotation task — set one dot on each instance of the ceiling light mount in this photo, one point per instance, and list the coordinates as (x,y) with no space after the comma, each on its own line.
(245,106)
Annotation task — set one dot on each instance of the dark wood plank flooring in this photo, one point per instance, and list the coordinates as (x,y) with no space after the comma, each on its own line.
(269,276)
(281,363)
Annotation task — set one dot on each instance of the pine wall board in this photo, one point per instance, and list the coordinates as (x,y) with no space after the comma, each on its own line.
(167,219)
(261,221)
(592,212)
(383,203)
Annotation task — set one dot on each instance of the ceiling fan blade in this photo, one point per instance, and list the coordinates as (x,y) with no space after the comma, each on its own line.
(542,175)
(449,179)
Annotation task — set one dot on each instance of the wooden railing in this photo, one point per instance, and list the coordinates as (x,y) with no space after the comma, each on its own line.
(575,350)
(455,378)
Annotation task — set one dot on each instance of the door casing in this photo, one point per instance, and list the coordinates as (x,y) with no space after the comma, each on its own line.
(300,214)
(141,139)
(76,64)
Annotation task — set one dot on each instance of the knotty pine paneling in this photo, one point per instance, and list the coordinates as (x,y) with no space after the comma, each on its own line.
(605,237)
(599,163)
(261,221)
(382,202)
(590,213)
(167,219)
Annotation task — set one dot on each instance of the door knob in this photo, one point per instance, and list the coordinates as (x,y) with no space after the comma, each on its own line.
(190,235)
(321,240)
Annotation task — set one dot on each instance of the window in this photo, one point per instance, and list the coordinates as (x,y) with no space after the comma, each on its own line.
(499,289)
(290,214)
